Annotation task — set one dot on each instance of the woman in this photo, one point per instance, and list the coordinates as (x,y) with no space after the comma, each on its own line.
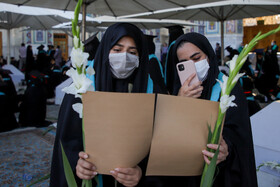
(122,43)
(30,62)
(236,161)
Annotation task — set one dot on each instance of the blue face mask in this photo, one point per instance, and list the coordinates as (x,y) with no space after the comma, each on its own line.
(123,64)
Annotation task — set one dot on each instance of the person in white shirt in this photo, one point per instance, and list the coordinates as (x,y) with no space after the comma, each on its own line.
(22,56)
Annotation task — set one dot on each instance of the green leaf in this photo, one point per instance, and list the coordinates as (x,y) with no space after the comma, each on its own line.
(86,183)
(40,180)
(96,180)
(207,180)
(209,134)
(68,170)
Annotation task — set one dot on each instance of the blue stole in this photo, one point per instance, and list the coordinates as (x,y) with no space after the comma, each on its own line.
(216,90)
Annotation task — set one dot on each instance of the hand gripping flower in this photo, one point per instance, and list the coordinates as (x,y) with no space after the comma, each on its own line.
(226,101)
(81,84)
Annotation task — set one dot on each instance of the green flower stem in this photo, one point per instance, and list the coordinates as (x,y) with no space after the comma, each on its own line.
(75,28)
(207,180)
(216,135)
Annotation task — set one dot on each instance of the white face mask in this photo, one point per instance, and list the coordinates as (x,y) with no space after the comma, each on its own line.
(202,68)
(123,64)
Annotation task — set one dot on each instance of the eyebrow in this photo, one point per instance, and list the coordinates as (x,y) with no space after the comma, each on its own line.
(182,60)
(197,53)
(120,45)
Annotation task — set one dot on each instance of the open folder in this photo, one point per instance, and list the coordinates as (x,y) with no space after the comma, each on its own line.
(121,129)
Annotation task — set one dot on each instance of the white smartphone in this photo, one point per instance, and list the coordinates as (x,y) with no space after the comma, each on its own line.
(185,70)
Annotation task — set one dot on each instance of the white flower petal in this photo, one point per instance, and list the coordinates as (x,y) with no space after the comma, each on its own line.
(54,125)
(232,63)
(76,41)
(91,88)
(235,79)
(226,102)
(79,58)
(84,84)
(78,96)
(80,84)
(90,71)
(70,89)
(78,107)
(244,59)
(223,84)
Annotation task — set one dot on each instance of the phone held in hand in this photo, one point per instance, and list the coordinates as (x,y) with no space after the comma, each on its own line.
(185,70)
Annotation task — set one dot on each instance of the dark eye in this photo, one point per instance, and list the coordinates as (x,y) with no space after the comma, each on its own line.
(196,58)
(116,50)
(133,52)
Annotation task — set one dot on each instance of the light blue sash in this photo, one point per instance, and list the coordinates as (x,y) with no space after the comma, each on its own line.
(216,90)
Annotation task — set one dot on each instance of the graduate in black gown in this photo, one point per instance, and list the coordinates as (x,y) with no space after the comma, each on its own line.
(34,104)
(169,67)
(155,67)
(30,62)
(121,43)
(237,163)
(8,102)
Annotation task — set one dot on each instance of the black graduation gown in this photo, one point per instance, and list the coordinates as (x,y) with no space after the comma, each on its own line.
(156,76)
(34,105)
(8,105)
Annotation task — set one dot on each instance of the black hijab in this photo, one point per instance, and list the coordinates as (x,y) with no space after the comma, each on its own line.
(203,44)
(91,46)
(103,75)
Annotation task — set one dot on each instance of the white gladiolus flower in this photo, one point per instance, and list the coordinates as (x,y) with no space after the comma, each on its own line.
(79,58)
(81,84)
(78,107)
(244,59)
(76,42)
(235,79)
(54,125)
(90,71)
(232,63)
(223,84)
(226,102)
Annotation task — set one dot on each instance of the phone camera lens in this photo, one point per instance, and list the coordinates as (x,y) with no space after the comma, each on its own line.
(181,67)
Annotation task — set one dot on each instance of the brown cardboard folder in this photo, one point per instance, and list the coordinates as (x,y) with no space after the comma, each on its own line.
(121,128)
